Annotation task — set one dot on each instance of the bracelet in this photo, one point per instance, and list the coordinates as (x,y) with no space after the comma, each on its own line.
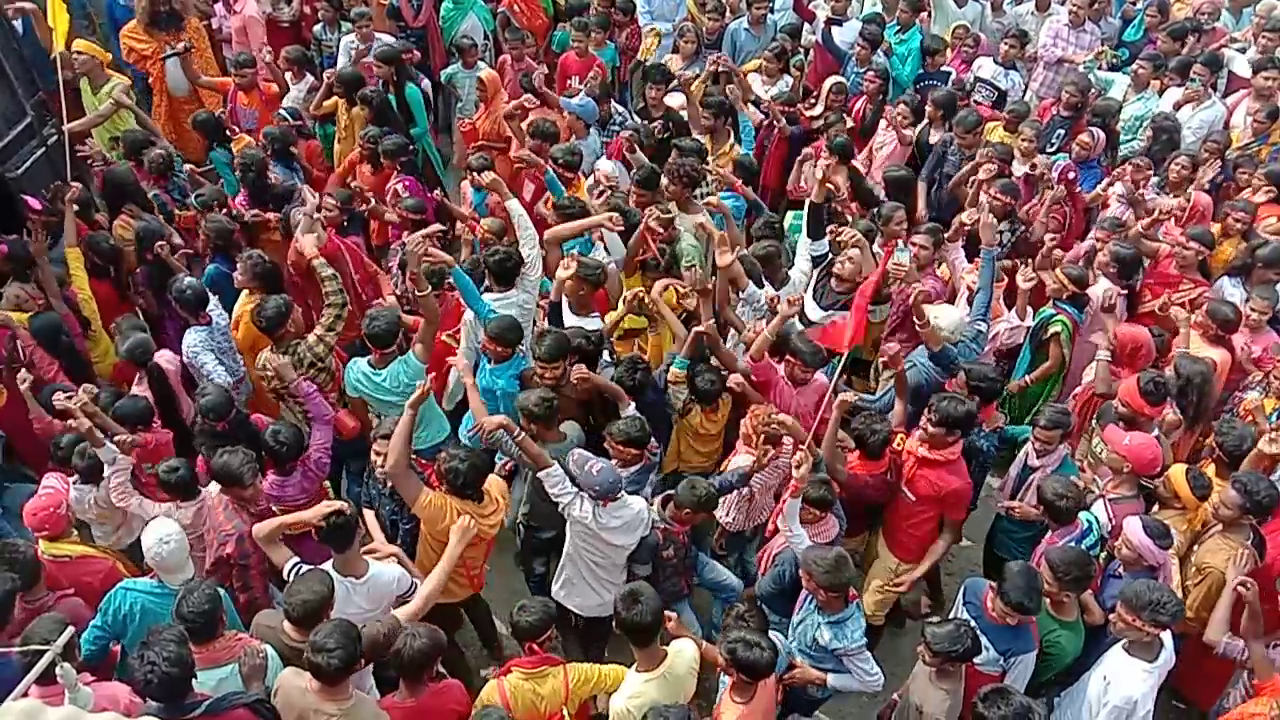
(1102,355)
(922,325)
(519,435)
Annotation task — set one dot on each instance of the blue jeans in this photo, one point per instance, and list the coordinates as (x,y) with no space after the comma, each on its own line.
(725,588)
(740,550)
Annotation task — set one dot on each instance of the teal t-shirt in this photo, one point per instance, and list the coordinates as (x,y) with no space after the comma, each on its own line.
(386,390)
(609,56)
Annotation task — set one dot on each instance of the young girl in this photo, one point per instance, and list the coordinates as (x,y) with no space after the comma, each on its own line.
(219,234)
(337,99)
(891,143)
(222,146)
(409,102)
(151,282)
(309,150)
(398,153)
(772,81)
(286,168)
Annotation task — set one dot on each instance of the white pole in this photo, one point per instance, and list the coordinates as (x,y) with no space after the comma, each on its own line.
(53,653)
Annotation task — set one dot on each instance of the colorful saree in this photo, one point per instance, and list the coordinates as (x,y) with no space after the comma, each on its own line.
(1058,322)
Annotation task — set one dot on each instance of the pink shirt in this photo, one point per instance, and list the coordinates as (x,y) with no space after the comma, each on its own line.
(248,29)
(800,403)
(63,602)
(172,365)
(510,72)
(108,696)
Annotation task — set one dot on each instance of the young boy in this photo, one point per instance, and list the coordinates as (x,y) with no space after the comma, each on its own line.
(1125,680)
(601,26)
(1004,128)
(515,62)
(251,101)
(697,392)
(325,688)
(33,597)
(1067,573)
(627,37)
(866,476)
(661,674)
(635,453)
(997,81)
(1256,339)
(424,690)
(577,65)
(462,78)
(1131,458)
(1004,613)
(934,75)
(714,15)
(676,565)
(935,687)
(540,683)
(52,688)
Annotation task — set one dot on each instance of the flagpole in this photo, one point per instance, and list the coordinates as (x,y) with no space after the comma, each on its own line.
(62,104)
(822,407)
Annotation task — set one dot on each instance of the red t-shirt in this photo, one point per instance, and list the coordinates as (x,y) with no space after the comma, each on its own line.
(64,602)
(89,577)
(931,491)
(111,304)
(156,447)
(445,700)
(572,71)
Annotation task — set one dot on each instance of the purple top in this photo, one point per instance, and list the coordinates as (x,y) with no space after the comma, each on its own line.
(304,485)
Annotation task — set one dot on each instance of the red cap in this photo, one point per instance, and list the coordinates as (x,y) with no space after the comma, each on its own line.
(48,513)
(1141,450)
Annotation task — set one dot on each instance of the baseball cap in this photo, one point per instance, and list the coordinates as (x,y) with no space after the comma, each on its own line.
(1141,450)
(48,513)
(597,477)
(582,106)
(167,552)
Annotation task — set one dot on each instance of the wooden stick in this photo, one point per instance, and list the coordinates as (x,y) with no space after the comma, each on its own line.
(53,653)
(822,408)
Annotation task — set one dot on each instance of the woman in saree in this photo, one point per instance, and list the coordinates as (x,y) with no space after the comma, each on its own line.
(1130,350)
(1086,154)
(472,18)
(686,52)
(160,26)
(1260,138)
(1046,353)
(1264,192)
(828,111)
(532,16)
(1137,31)
(487,131)
(966,47)
(1061,210)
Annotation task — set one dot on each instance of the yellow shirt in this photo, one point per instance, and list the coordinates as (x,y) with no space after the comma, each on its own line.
(697,440)
(438,510)
(348,122)
(994,132)
(540,693)
(675,680)
(101,350)
(1223,253)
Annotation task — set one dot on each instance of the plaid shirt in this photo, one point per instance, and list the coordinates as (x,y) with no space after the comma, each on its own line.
(1057,40)
(234,560)
(312,355)
(617,122)
(749,507)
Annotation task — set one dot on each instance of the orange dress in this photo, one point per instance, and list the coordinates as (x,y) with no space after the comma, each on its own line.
(143,49)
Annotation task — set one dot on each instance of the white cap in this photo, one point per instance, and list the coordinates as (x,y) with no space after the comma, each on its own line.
(167,552)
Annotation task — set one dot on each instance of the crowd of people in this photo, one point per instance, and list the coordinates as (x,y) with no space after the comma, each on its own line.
(723,316)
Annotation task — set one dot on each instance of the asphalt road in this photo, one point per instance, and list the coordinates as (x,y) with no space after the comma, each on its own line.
(896,653)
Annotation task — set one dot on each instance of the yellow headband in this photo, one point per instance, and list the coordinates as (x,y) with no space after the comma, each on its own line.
(80,45)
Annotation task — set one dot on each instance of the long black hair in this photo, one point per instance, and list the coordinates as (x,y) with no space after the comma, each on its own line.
(121,187)
(401,79)
(382,114)
(156,273)
(1166,138)
(104,260)
(50,333)
(212,128)
(140,350)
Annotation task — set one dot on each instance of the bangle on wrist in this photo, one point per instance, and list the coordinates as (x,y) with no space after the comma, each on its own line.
(1102,355)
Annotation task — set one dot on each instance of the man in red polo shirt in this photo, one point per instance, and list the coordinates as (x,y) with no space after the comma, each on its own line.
(926,514)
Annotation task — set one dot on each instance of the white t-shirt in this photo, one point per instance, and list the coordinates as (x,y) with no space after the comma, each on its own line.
(674,681)
(1118,686)
(384,587)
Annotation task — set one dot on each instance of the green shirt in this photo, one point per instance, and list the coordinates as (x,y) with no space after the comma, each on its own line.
(1060,644)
